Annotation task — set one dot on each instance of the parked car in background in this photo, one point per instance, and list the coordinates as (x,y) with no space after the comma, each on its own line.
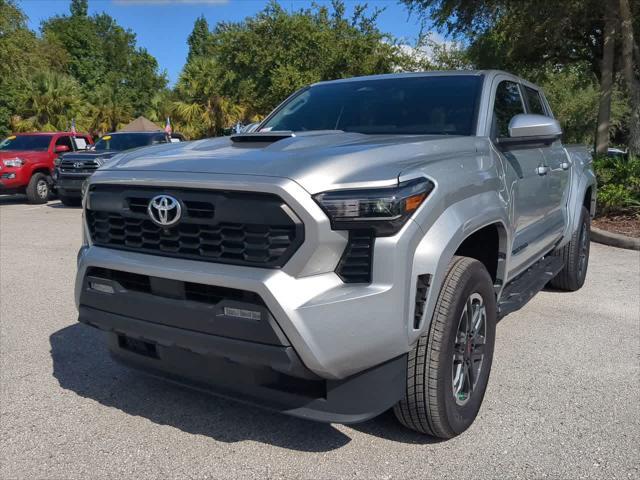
(27,161)
(72,169)
(252,127)
(617,153)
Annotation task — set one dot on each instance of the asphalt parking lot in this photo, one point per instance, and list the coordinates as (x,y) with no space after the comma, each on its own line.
(563,398)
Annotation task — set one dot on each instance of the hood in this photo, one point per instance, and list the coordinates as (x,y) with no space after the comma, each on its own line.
(90,155)
(316,160)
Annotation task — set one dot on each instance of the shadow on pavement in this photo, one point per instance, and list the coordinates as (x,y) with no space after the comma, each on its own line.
(13,199)
(386,426)
(58,204)
(82,364)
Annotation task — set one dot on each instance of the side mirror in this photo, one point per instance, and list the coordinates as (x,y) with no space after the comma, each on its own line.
(61,148)
(528,128)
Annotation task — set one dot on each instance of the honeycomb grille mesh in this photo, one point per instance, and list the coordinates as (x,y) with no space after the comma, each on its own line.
(197,236)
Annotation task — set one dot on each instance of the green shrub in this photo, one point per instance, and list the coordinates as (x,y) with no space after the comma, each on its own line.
(618,184)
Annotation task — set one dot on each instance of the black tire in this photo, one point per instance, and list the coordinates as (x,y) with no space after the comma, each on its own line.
(70,201)
(431,404)
(575,256)
(39,188)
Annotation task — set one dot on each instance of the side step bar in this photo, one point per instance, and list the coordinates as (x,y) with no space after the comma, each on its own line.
(522,288)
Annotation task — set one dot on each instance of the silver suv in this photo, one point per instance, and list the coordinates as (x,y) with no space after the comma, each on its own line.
(351,255)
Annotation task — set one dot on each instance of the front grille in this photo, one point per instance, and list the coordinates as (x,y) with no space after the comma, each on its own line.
(357,260)
(78,166)
(240,228)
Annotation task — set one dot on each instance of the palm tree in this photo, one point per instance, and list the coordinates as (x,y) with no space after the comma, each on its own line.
(108,110)
(204,112)
(50,101)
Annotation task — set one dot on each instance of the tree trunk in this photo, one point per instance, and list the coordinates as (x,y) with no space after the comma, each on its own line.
(632,81)
(606,78)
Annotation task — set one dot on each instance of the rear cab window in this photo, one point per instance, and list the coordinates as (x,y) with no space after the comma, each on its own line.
(534,101)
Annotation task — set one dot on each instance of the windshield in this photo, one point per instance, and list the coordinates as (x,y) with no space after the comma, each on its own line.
(406,105)
(26,142)
(126,141)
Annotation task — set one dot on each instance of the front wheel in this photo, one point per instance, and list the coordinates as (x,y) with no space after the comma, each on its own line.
(448,369)
(39,188)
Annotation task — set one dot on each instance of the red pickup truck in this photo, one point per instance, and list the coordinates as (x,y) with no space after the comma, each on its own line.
(26,161)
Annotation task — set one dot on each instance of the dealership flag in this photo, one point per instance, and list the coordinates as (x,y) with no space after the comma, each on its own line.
(167,127)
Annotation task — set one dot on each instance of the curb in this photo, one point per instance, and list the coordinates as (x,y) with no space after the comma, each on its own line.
(614,239)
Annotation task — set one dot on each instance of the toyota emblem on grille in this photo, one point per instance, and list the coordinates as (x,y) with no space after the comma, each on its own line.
(164,210)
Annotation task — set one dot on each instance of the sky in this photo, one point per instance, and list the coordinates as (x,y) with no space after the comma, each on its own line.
(162,26)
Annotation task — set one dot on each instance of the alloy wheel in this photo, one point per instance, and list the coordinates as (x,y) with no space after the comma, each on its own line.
(42,187)
(469,348)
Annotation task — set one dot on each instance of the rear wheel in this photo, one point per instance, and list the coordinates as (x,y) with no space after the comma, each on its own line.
(39,188)
(70,201)
(575,256)
(448,369)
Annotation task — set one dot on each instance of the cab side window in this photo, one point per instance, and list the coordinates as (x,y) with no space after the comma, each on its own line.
(534,101)
(508,103)
(65,140)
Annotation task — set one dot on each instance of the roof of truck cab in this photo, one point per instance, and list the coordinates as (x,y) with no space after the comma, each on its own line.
(24,134)
(433,73)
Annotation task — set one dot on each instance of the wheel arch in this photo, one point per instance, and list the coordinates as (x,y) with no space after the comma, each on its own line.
(459,230)
(40,169)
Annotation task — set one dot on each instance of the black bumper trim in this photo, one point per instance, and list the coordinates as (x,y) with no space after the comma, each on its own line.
(268,376)
(279,358)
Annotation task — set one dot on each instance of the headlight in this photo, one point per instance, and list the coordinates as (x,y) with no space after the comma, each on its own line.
(13,162)
(56,161)
(385,210)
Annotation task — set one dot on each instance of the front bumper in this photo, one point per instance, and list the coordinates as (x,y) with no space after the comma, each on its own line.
(69,185)
(13,179)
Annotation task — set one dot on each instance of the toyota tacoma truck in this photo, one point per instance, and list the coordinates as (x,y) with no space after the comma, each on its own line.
(27,161)
(351,255)
(72,169)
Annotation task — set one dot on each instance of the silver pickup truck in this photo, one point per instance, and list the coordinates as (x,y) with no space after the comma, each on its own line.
(351,255)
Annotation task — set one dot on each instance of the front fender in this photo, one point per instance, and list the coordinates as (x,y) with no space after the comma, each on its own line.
(444,237)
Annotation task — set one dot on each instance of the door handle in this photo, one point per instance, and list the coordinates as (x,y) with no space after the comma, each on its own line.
(542,170)
(565,165)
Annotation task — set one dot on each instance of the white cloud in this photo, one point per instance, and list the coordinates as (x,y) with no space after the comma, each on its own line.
(170,2)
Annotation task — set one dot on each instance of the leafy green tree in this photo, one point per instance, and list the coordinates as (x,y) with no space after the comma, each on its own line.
(521,35)
(109,110)
(258,62)
(102,53)
(202,109)
(21,54)
(79,8)
(573,92)
(199,39)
